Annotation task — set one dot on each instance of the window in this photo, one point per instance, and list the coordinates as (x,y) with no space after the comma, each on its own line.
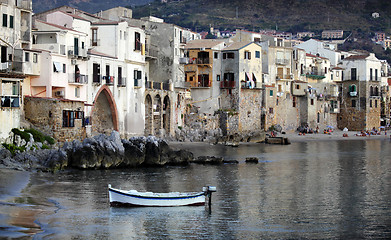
(325,70)
(353,103)
(82,45)
(11,21)
(121,82)
(135,107)
(94,37)
(353,88)
(5,20)
(294,102)
(257,54)
(27,57)
(64,68)
(96,73)
(77,92)
(137,41)
(228,55)
(371,74)
(271,93)
(218,77)
(68,118)
(376,75)
(137,78)
(247,55)
(297,86)
(35,58)
(312,101)
(375,103)
(120,34)
(370,103)
(353,74)
(216,55)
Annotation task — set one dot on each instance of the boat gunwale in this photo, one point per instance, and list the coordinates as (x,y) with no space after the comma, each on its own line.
(195,195)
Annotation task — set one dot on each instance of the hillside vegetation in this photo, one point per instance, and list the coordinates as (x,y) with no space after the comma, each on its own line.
(285,15)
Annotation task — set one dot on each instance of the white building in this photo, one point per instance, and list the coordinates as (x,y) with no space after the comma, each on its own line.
(18,61)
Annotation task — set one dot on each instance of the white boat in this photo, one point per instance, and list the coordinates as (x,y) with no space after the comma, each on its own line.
(133,198)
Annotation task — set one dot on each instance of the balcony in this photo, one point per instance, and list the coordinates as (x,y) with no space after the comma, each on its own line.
(183,60)
(158,85)
(183,40)
(121,82)
(77,78)
(284,77)
(10,101)
(24,4)
(353,94)
(5,67)
(282,61)
(318,75)
(77,52)
(150,52)
(108,80)
(251,85)
(227,84)
(199,61)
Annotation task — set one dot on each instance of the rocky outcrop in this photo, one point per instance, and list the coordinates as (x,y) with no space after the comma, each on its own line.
(99,152)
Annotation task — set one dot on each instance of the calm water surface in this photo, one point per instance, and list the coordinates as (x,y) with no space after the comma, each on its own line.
(315,190)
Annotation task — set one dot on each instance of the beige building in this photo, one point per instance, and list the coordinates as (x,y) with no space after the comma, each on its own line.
(332,34)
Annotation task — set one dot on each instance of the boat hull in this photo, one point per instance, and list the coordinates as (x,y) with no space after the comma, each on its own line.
(119,198)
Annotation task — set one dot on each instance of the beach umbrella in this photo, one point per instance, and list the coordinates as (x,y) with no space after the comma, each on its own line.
(328,126)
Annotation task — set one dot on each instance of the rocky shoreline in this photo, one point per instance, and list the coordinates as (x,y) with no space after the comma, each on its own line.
(102,152)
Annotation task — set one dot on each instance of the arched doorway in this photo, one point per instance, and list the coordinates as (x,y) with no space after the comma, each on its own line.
(104,113)
(157,109)
(166,114)
(148,115)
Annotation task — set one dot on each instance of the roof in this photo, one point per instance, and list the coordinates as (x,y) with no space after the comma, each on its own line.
(106,23)
(58,26)
(237,46)
(75,16)
(203,43)
(356,57)
(311,55)
(337,68)
(93,52)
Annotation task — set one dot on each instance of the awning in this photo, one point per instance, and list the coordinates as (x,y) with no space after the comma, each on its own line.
(57,67)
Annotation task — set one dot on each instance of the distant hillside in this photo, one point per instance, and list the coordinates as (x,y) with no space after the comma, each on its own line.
(91,6)
(286,15)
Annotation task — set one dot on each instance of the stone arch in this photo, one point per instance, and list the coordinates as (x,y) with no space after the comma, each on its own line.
(166,114)
(371,92)
(157,113)
(148,115)
(104,113)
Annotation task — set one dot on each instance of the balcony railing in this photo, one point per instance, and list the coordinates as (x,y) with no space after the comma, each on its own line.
(77,52)
(122,82)
(77,78)
(10,101)
(158,85)
(183,60)
(108,80)
(282,61)
(149,52)
(199,61)
(204,83)
(227,84)
(281,77)
(251,85)
(24,4)
(353,94)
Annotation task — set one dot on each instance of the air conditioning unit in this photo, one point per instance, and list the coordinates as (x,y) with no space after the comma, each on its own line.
(59,93)
(73,61)
(70,52)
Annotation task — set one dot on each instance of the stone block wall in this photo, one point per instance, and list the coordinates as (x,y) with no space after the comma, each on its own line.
(47,115)
(250,108)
